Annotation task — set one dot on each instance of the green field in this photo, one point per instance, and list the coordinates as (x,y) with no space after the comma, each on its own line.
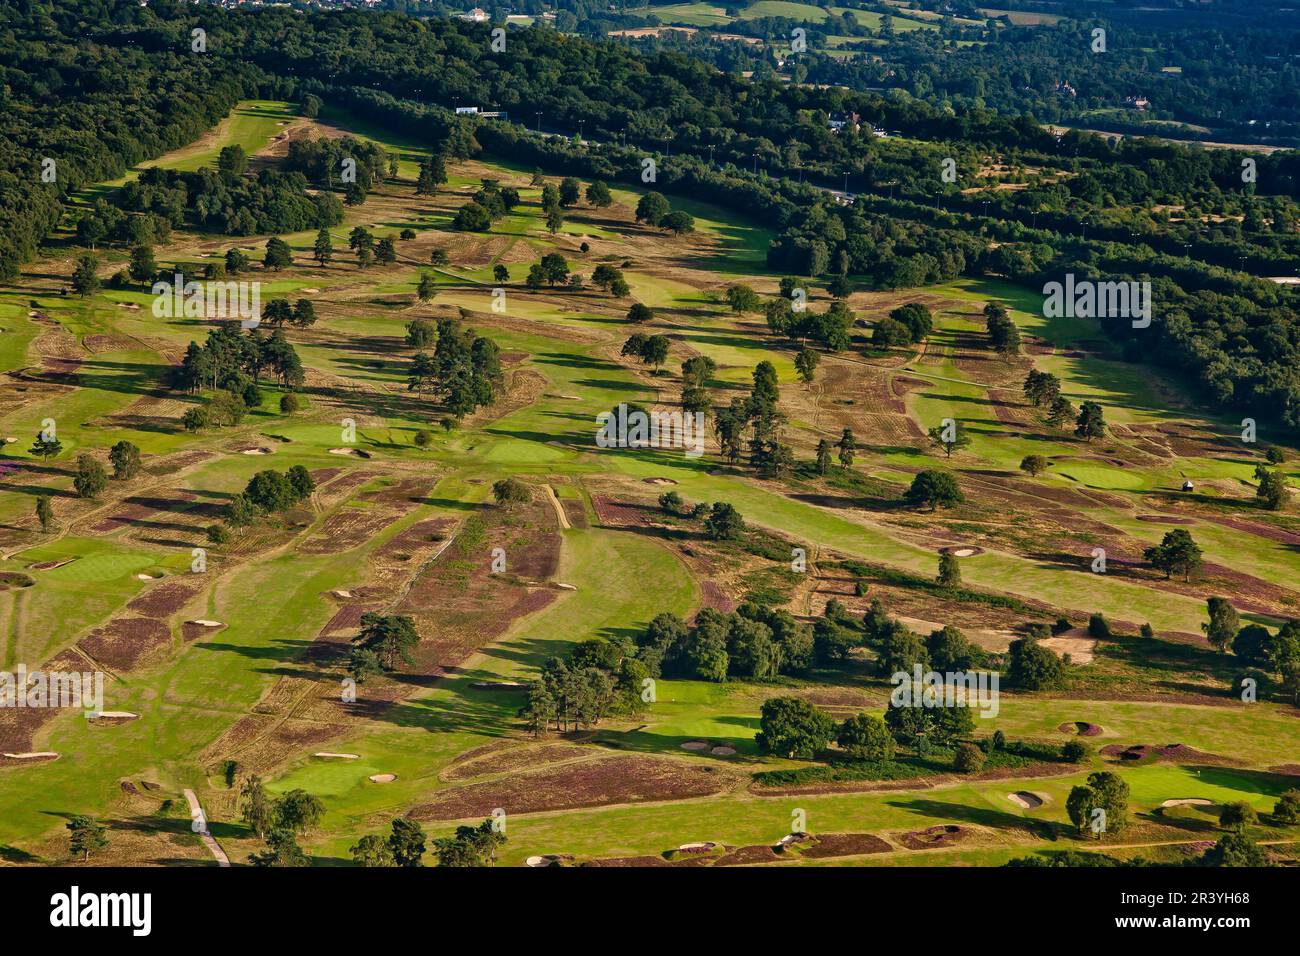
(269,665)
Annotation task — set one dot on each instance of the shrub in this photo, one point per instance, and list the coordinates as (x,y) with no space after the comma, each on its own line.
(1073,751)
(968,759)
(1237,815)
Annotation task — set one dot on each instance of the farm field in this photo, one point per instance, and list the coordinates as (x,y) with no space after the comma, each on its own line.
(227,652)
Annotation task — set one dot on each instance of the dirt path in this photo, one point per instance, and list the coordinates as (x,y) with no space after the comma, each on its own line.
(209,841)
(560,516)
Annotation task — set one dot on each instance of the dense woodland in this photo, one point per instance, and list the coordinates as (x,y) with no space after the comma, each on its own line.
(121,84)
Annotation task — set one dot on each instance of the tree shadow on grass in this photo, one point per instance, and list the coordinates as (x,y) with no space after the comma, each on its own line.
(983,816)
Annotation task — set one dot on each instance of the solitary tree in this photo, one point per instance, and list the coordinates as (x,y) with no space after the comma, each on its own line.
(1223,623)
(509,492)
(278,255)
(323,249)
(934,489)
(724,522)
(125,459)
(847,446)
(91,478)
(1090,423)
(950,436)
(85,278)
(1034,465)
(949,571)
(86,835)
(823,456)
(1177,553)
(44,512)
(805,364)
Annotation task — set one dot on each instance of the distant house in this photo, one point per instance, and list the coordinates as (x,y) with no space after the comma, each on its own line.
(482,114)
(1136,102)
(477,15)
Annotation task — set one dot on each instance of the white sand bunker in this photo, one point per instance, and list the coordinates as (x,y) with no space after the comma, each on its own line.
(33,755)
(309,291)
(382,777)
(352,452)
(695,745)
(567,587)
(149,577)
(723,751)
(327,755)
(660,481)
(699,847)
(1188,802)
(114,715)
(343,594)
(963,552)
(204,622)
(259,451)
(1026,800)
(498,685)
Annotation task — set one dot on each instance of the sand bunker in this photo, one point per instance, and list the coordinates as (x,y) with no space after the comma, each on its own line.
(382,777)
(659,481)
(33,755)
(204,622)
(352,452)
(114,715)
(961,550)
(548,859)
(1074,642)
(567,587)
(723,751)
(328,755)
(567,398)
(309,291)
(258,451)
(1026,800)
(695,745)
(1188,802)
(499,685)
(343,594)
(51,565)
(1080,727)
(149,577)
(702,846)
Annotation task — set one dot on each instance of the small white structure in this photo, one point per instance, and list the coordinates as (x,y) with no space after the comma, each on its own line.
(1188,486)
(477,15)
